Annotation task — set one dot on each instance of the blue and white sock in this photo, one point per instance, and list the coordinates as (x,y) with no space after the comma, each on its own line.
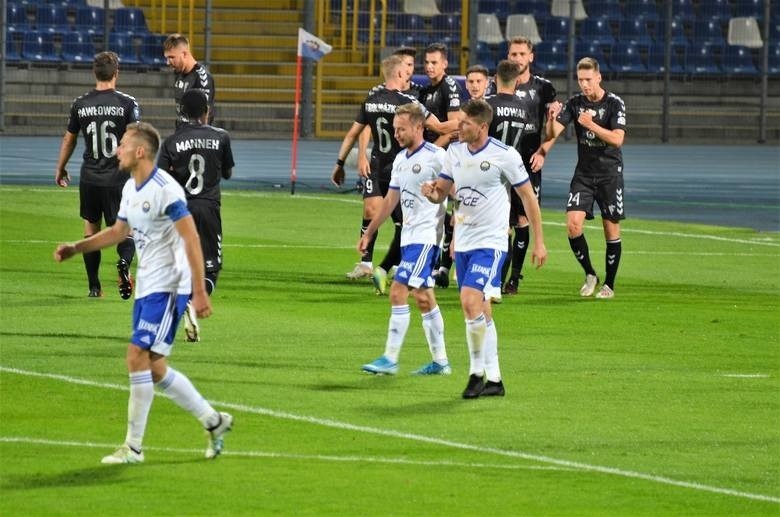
(433,325)
(138,406)
(179,388)
(492,371)
(396,331)
(475,337)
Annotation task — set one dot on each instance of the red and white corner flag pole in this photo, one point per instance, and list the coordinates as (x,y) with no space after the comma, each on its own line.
(312,47)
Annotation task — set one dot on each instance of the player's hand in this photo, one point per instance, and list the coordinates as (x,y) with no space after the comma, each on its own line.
(539,255)
(363,166)
(362,244)
(428,188)
(201,303)
(537,161)
(64,252)
(553,110)
(62,178)
(586,119)
(337,176)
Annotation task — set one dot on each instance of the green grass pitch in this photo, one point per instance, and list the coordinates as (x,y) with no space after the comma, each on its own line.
(662,401)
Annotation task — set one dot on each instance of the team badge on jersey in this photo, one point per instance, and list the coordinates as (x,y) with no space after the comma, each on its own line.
(416,168)
(484,166)
(146,206)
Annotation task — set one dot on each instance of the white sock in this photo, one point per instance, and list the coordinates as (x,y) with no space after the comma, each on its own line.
(179,388)
(475,337)
(138,406)
(492,371)
(433,325)
(396,331)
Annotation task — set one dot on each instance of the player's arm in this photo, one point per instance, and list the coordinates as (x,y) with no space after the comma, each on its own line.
(200,300)
(537,159)
(437,190)
(433,123)
(363,165)
(534,214)
(337,176)
(445,138)
(227,173)
(613,137)
(388,205)
(67,147)
(103,239)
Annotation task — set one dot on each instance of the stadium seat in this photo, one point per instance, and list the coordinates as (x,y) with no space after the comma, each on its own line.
(485,56)
(522,25)
(78,47)
(743,31)
(681,10)
(446,28)
(540,9)
(364,26)
(678,32)
(90,19)
(634,31)
(774,59)
(489,29)
(497,7)
(656,55)
(122,44)
(409,30)
(152,50)
(626,58)
(112,4)
(597,31)
(714,9)
(51,18)
(450,6)
(562,7)
(16,18)
(702,59)
(421,7)
(38,47)
(738,61)
(751,8)
(605,9)
(595,51)
(708,32)
(551,57)
(556,29)
(645,9)
(12,54)
(130,21)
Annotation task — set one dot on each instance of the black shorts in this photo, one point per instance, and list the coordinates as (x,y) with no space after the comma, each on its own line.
(516,208)
(208,221)
(98,203)
(607,191)
(378,182)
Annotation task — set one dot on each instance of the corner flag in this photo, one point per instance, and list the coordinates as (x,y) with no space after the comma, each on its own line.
(311,46)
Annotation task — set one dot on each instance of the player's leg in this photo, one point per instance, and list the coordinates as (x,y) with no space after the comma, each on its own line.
(91,213)
(578,208)
(372,202)
(393,255)
(397,326)
(442,275)
(610,200)
(208,222)
(112,197)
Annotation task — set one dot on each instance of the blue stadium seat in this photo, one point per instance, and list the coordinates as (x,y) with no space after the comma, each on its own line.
(409,30)
(626,58)
(446,28)
(540,9)
(774,59)
(38,47)
(609,9)
(497,7)
(634,31)
(656,58)
(450,6)
(681,10)
(595,51)
(738,61)
(152,50)
(551,57)
(754,8)
(122,44)
(645,9)
(556,29)
(16,18)
(130,21)
(708,32)
(78,47)
(52,18)
(715,9)
(12,54)
(364,26)
(597,31)
(702,59)
(90,19)
(678,32)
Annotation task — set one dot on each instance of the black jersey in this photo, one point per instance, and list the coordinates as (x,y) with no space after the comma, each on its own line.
(594,156)
(510,120)
(198,156)
(378,113)
(440,99)
(198,78)
(414,89)
(102,116)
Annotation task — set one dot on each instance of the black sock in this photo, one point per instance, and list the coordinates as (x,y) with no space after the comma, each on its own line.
(580,248)
(126,250)
(507,261)
(614,249)
(368,256)
(522,239)
(211,281)
(393,256)
(92,265)
(446,260)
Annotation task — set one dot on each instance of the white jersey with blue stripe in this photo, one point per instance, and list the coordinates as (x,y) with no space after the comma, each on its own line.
(151,210)
(422,220)
(482,179)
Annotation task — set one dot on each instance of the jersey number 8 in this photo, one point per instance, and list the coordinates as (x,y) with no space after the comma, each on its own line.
(197,168)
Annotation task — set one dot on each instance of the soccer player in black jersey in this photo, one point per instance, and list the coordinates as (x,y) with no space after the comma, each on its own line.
(477,78)
(198,156)
(189,74)
(101,115)
(599,118)
(377,112)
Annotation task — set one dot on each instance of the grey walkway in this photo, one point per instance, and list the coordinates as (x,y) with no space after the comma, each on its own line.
(729,186)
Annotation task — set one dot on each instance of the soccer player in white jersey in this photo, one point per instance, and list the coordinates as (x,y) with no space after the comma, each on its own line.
(170,267)
(480,168)
(418,162)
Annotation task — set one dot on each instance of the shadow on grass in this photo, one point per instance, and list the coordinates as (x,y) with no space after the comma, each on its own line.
(64,335)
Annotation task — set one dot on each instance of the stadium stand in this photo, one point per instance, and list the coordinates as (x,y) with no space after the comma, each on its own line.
(522,25)
(78,47)
(645,9)
(609,9)
(16,18)
(708,31)
(738,60)
(562,8)
(703,58)
(90,19)
(446,27)
(38,47)
(656,58)
(743,31)
(52,18)
(627,59)
(122,44)
(425,8)
(130,21)
(556,29)
(597,31)
(489,29)
(634,31)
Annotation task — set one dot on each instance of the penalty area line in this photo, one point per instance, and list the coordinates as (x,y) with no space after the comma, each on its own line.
(335,424)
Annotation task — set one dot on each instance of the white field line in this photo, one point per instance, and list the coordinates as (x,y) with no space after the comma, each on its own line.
(746,375)
(285,455)
(429,439)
